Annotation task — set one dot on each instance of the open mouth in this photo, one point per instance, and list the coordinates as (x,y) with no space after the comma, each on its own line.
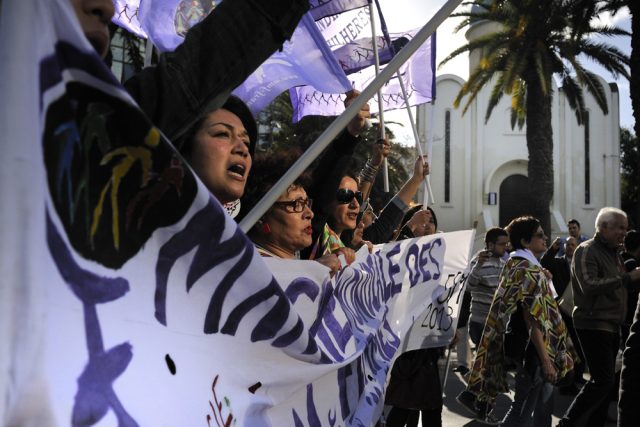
(237,169)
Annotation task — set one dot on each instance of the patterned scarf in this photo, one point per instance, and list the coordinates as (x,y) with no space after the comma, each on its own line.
(522,281)
(328,243)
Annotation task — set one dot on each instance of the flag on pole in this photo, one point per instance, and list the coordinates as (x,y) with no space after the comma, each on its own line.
(304,60)
(418,75)
(131,297)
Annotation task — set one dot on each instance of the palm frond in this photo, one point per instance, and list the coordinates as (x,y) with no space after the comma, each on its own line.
(573,95)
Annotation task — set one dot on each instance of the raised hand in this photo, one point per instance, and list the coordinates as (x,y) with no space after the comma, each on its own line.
(359,122)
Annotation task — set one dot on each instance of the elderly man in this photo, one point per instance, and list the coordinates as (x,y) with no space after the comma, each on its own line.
(599,284)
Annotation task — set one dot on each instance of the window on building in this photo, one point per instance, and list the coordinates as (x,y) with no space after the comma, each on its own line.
(587,162)
(447,156)
(122,65)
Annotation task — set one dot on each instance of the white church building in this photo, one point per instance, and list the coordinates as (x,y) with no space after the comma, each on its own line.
(479,170)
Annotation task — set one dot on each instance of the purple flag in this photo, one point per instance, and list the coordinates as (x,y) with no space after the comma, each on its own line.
(167,21)
(322,8)
(305,60)
(126,16)
(358,54)
(418,75)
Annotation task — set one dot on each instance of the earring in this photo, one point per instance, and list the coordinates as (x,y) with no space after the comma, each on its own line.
(265,228)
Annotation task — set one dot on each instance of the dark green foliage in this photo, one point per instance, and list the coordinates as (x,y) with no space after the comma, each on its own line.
(284,135)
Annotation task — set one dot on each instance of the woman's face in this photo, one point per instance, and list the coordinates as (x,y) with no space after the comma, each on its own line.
(94,17)
(428,227)
(220,155)
(345,215)
(538,243)
(290,230)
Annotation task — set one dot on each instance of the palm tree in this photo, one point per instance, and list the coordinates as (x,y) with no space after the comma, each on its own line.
(535,40)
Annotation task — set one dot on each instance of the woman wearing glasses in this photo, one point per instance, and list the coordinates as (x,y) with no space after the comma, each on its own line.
(525,326)
(286,228)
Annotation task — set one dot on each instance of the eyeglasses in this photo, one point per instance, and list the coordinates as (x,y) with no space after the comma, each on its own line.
(294,206)
(345,196)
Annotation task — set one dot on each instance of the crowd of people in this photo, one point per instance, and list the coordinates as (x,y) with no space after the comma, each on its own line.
(547,313)
(551,318)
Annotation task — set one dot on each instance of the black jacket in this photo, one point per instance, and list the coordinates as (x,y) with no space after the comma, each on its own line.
(217,55)
(560,268)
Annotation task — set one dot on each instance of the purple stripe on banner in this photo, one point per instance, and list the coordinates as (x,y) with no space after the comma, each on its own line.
(67,56)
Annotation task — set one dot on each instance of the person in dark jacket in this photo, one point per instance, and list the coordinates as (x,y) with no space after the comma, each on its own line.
(628,408)
(187,95)
(414,382)
(217,55)
(599,284)
(560,268)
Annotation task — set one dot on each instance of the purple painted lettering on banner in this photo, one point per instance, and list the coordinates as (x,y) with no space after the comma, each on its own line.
(394,269)
(413,253)
(289,337)
(300,286)
(312,414)
(95,395)
(423,264)
(434,260)
(341,334)
(193,235)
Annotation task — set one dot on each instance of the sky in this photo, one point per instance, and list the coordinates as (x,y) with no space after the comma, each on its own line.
(448,40)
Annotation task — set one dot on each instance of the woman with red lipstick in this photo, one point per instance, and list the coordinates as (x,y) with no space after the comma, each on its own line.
(285,229)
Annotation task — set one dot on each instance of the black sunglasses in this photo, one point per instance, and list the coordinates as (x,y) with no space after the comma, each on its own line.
(294,206)
(345,196)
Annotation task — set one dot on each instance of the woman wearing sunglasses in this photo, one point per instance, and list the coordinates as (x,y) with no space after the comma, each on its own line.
(343,215)
(525,326)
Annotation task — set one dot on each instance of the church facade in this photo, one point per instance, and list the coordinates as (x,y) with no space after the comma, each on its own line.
(479,170)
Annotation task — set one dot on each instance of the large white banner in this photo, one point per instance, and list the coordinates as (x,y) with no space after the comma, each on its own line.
(130,298)
(436,325)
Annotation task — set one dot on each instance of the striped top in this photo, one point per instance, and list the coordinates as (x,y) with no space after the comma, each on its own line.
(482,283)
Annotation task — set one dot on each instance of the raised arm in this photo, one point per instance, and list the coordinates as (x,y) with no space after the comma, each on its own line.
(217,55)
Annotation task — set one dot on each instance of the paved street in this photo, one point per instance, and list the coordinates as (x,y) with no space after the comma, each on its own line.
(454,415)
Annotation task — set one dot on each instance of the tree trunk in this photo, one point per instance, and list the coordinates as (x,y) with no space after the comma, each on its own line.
(540,146)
